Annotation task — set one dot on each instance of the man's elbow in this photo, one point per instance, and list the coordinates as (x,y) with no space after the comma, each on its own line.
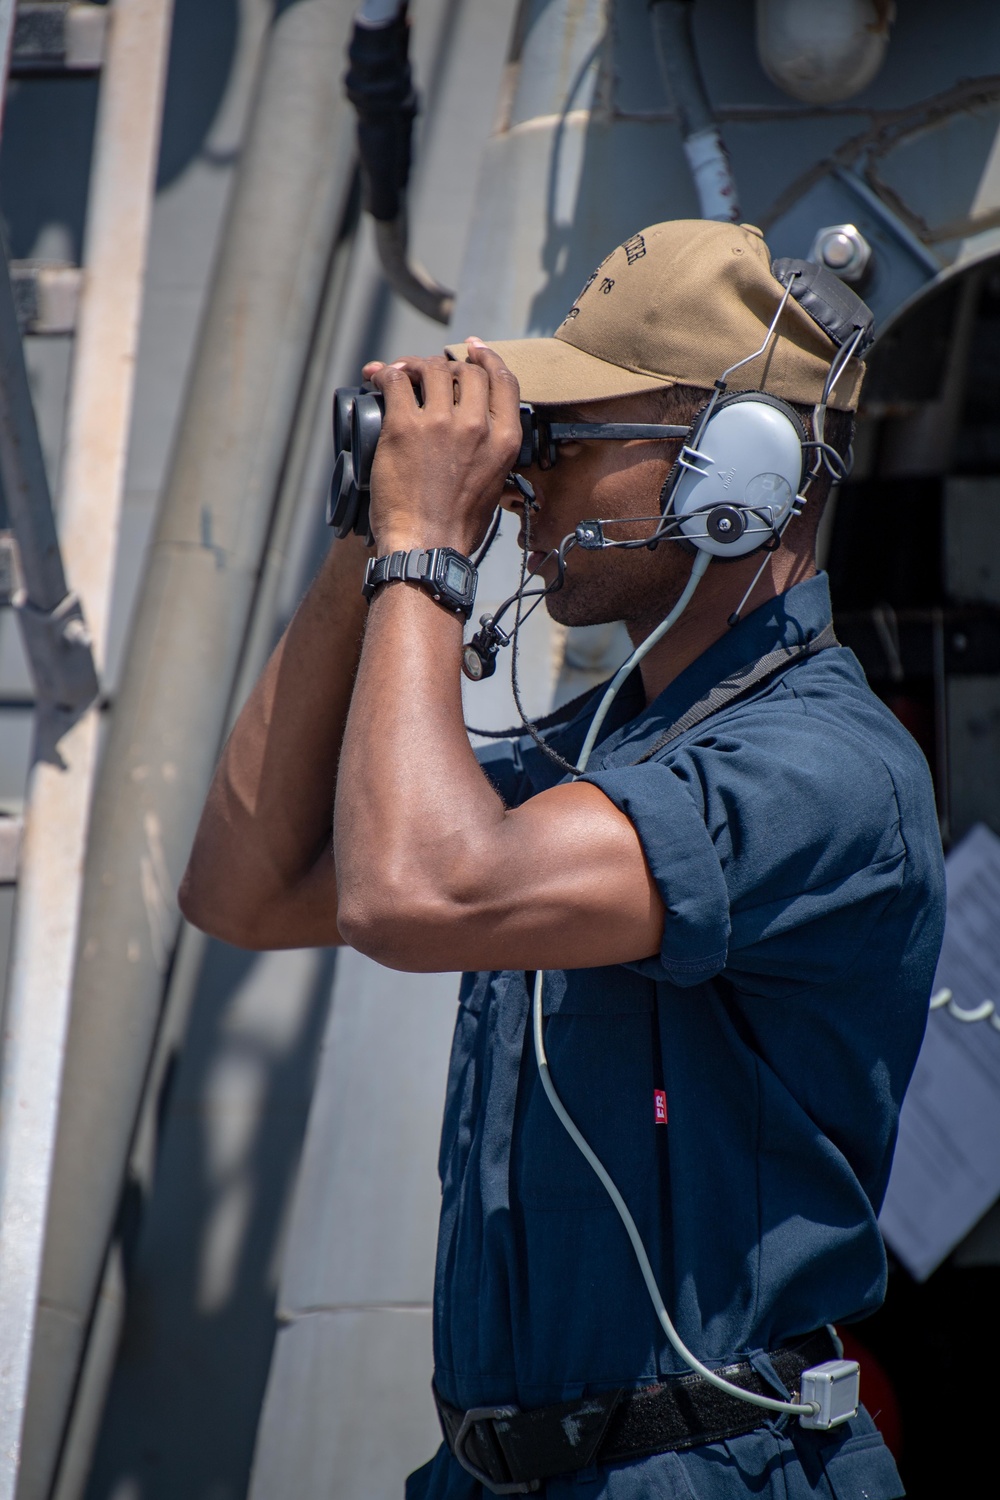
(200,907)
(399,926)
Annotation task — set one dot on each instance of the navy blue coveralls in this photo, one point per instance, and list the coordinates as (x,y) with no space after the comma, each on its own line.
(794,841)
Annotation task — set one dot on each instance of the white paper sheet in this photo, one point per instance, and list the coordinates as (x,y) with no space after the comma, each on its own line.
(946,1171)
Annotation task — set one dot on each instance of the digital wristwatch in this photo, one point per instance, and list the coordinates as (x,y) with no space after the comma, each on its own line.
(447,576)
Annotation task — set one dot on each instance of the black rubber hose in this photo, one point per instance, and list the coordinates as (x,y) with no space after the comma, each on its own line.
(679,63)
(702,140)
(380,86)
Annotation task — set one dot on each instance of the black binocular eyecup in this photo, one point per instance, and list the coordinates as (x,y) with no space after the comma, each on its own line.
(357,425)
(344,500)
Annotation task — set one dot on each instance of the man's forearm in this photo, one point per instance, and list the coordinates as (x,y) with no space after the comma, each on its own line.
(415,814)
(434,872)
(261,872)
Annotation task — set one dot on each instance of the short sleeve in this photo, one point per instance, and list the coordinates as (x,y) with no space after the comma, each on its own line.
(775,849)
(685,865)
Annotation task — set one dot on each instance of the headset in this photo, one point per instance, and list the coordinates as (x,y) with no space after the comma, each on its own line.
(743,471)
(742,475)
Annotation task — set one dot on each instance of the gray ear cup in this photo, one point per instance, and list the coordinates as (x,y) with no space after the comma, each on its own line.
(738,484)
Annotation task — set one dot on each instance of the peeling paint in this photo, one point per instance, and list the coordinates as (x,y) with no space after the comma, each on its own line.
(157,892)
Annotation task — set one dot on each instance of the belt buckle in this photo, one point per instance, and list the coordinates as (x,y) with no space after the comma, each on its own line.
(469,1420)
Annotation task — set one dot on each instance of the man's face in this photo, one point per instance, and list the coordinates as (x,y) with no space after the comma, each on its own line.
(607,480)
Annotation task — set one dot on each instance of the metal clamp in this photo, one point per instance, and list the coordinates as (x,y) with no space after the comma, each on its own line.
(58,646)
(693,459)
(489,1414)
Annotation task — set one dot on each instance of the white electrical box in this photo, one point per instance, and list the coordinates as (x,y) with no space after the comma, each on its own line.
(835,1387)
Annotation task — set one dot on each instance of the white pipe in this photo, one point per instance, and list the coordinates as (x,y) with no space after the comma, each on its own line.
(713,175)
(37,1017)
(242,400)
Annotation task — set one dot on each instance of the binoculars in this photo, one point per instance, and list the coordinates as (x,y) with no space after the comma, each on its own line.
(357,423)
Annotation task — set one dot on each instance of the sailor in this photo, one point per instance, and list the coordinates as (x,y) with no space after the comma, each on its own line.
(736,908)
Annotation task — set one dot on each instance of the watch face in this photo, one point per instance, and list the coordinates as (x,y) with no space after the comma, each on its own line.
(456,575)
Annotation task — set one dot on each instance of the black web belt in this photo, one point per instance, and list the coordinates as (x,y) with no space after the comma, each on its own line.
(731,688)
(510,1452)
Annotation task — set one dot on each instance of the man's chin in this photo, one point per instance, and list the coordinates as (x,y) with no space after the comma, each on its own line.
(569,606)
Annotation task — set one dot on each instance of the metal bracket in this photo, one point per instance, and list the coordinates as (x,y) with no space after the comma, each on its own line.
(11,834)
(58,644)
(488,1414)
(900,263)
(698,463)
(56,637)
(46,297)
(11,582)
(51,36)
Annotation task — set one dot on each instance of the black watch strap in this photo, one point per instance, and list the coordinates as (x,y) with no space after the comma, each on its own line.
(430,567)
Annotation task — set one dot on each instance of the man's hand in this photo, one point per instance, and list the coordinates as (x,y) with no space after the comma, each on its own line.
(450,435)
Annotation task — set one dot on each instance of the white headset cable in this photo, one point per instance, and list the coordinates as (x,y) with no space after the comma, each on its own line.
(701,562)
(769,1403)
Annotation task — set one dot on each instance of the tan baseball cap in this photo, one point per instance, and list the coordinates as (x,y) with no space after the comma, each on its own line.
(677,304)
